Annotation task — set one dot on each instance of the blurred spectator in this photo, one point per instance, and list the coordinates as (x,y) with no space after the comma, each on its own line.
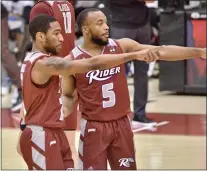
(131,19)
(24,8)
(15,39)
(192,4)
(8,59)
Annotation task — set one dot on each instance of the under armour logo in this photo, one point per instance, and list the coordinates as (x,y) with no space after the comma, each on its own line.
(52,142)
(112,50)
(92,130)
(125,162)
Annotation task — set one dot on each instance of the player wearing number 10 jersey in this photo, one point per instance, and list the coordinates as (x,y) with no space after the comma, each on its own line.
(63,11)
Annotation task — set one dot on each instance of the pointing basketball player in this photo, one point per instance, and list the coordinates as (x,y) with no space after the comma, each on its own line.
(63,11)
(104,98)
(43,143)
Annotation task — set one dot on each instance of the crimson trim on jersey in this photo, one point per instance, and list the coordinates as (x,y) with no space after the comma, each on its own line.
(118,45)
(84,51)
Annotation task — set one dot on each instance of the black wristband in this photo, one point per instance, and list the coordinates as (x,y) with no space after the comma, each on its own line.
(22,126)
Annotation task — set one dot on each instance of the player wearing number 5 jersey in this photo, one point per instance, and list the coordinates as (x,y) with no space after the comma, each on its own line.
(104,98)
(43,143)
(63,11)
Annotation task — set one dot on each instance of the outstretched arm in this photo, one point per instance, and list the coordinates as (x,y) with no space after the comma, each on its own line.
(168,53)
(174,53)
(65,66)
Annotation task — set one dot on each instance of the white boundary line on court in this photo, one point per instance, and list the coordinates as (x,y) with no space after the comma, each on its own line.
(151,127)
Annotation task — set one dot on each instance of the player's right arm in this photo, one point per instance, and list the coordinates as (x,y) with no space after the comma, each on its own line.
(63,66)
(167,53)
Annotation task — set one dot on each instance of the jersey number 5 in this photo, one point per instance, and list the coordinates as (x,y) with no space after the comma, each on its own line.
(107,92)
(67,21)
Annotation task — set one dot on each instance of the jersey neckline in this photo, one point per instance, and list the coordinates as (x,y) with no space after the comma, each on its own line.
(81,49)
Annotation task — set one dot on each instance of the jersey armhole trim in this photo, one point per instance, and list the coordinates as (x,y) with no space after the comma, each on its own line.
(118,45)
(38,86)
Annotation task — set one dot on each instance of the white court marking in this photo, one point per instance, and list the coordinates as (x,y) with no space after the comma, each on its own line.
(151,128)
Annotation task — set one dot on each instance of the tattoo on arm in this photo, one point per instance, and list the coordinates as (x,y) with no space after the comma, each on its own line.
(57,63)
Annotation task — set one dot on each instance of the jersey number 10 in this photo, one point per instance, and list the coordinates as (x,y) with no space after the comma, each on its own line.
(67,21)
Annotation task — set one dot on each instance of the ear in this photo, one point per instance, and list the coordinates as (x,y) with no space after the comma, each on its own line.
(85,29)
(40,36)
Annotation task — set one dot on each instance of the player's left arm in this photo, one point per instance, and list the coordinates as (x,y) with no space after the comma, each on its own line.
(68,91)
(167,53)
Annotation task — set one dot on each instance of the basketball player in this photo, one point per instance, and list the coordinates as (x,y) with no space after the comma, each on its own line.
(104,98)
(43,143)
(63,11)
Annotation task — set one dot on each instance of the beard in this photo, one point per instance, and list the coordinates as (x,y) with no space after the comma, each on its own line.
(99,41)
(50,49)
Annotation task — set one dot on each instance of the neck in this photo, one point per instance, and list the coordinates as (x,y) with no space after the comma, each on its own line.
(37,48)
(88,44)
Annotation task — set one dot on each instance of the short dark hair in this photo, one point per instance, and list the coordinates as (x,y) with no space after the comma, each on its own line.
(41,23)
(83,14)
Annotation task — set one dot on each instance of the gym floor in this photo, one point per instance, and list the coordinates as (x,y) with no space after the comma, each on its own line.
(179,144)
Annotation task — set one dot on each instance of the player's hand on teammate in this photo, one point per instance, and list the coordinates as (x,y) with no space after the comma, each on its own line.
(148,55)
(203,53)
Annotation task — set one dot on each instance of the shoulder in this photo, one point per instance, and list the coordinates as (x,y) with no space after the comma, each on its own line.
(41,8)
(115,43)
(127,45)
(123,41)
(76,53)
(42,4)
(34,56)
(112,42)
